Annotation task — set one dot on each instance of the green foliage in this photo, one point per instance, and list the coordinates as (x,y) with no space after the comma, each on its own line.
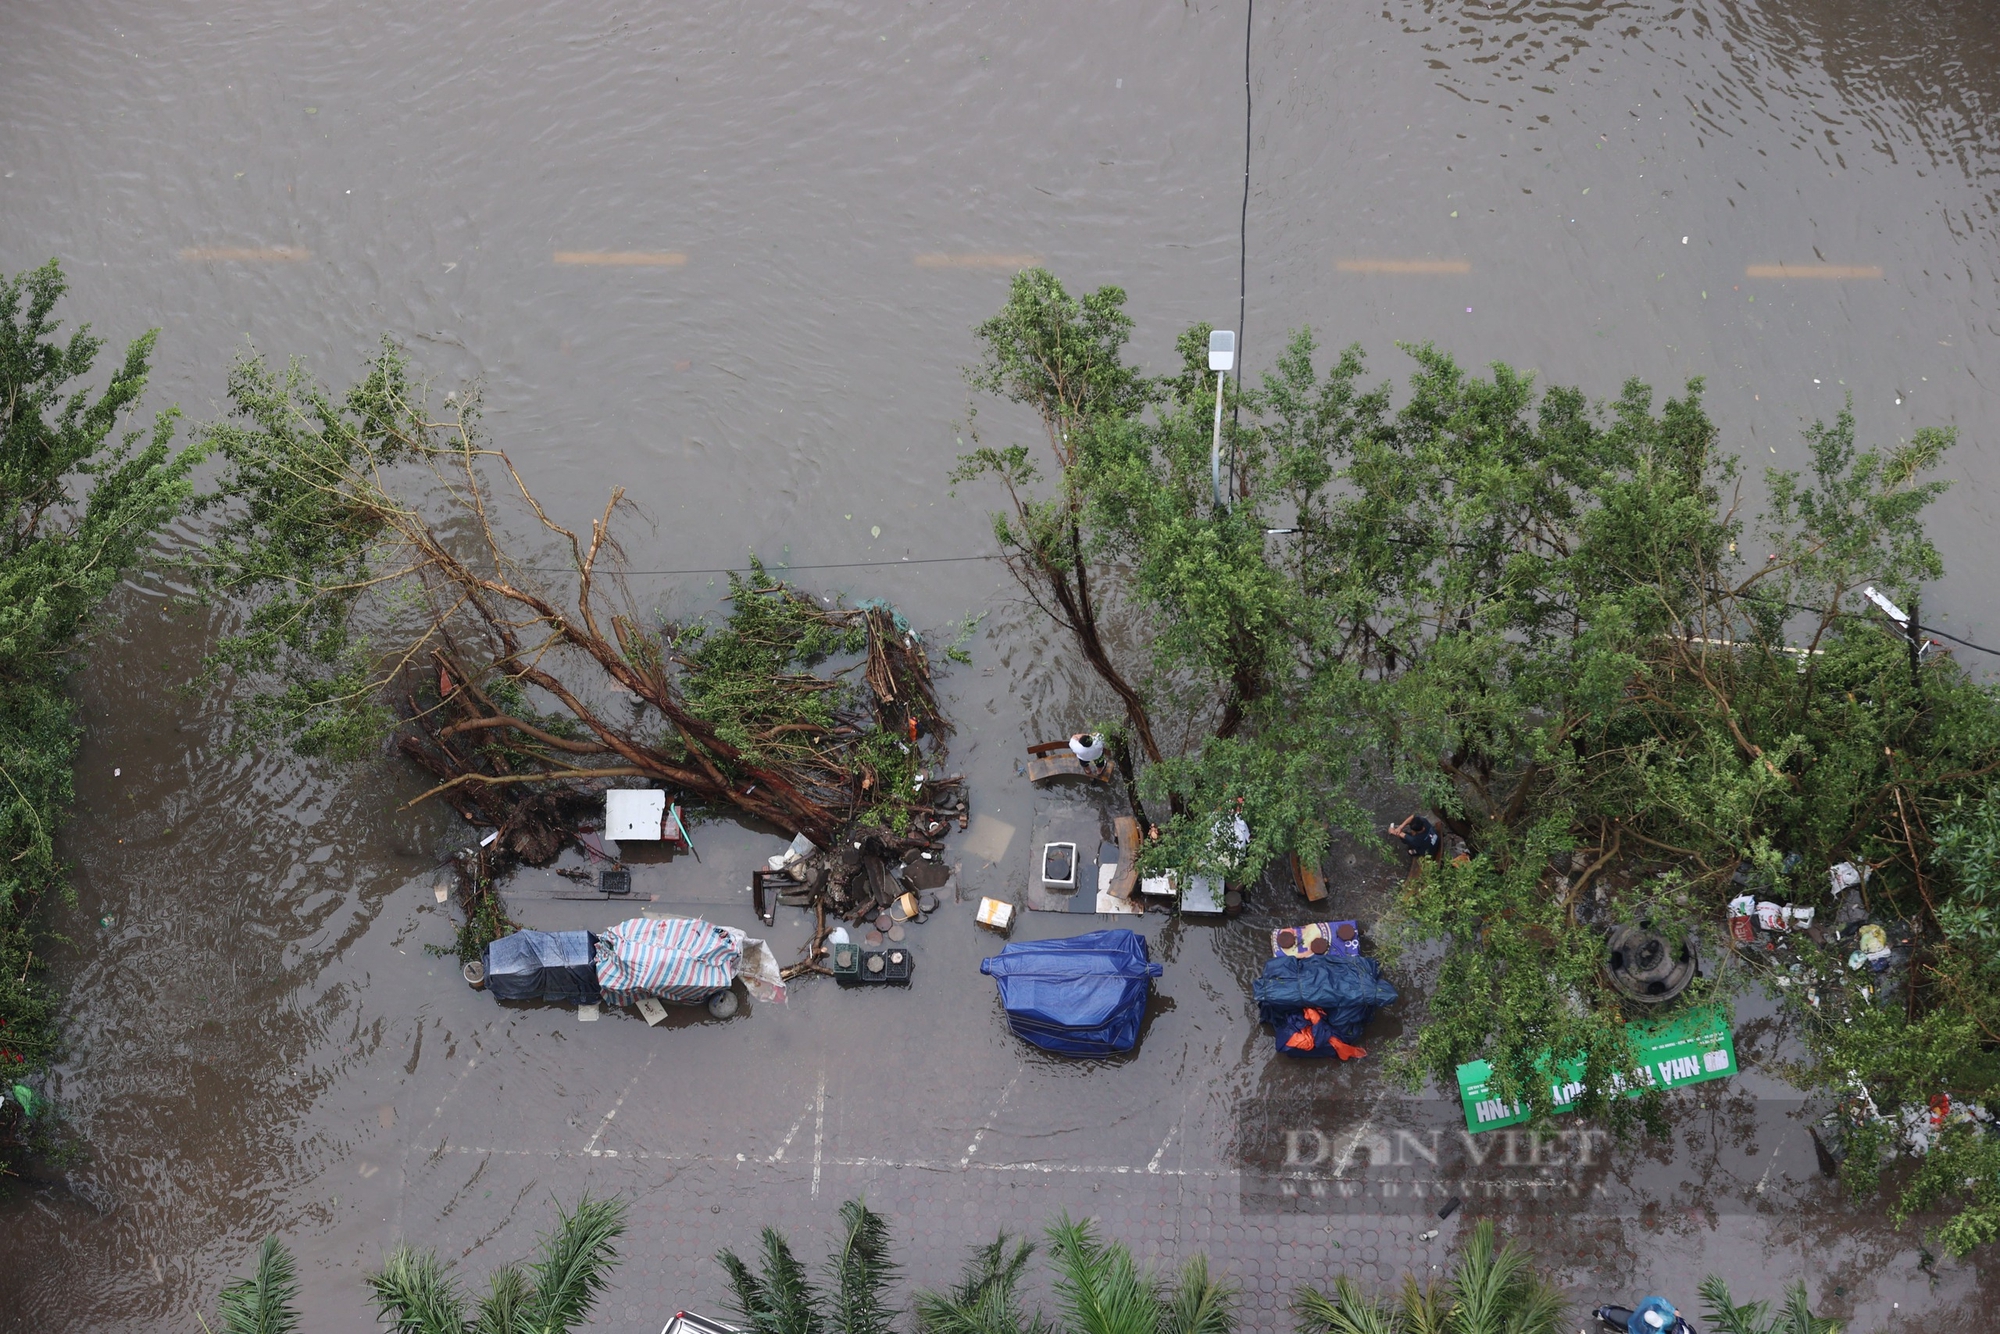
(783,1299)
(301,521)
(751,676)
(414,1292)
(986,1299)
(1725,1317)
(956,650)
(1534,612)
(1962,1170)
(1102,1290)
(81,503)
(1968,848)
(267,1301)
(860,1272)
(1491,1291)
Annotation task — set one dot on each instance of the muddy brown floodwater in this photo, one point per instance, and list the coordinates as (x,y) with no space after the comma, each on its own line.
(813,205)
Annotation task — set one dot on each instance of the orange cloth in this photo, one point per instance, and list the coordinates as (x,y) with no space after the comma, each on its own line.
(1301,1040)
(1347,1053)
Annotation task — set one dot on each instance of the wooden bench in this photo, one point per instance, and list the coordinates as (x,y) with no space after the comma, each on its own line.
(1054,759)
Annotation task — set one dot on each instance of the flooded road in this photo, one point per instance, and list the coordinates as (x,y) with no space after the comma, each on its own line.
(729,258)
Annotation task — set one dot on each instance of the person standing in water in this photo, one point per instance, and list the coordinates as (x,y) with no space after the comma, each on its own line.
(1088,747)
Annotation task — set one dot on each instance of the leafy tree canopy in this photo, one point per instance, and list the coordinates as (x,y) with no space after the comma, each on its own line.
(1556,623)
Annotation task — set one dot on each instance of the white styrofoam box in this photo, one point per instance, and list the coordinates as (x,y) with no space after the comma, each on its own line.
(634,813)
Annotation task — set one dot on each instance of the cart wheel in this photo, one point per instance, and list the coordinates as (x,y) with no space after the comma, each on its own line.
(722,1004)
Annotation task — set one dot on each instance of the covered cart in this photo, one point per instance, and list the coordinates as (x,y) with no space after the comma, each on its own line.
(1079,996)
(640,962)
(543,965)
(1318,1005)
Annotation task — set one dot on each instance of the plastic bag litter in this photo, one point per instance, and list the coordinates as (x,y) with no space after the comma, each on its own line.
(761,975)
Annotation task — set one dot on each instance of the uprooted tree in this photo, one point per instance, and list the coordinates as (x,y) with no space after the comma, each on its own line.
(365,539)
(1552,622)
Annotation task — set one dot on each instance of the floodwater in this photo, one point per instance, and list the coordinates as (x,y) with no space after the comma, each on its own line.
(727,257)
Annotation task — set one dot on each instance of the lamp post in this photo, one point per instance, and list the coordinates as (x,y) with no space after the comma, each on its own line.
(1221,360)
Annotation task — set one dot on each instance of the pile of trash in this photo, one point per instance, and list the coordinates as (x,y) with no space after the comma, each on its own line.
(1913,1130)
(875,878)
(646,962)
(1854,951)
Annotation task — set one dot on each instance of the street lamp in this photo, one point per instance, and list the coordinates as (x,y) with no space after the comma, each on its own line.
(1221,360)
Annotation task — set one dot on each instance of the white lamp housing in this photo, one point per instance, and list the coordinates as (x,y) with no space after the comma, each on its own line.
(1222,350)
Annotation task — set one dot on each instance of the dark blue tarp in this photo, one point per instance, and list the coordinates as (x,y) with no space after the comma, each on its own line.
(1080,996)
(1346,990)
(543,965)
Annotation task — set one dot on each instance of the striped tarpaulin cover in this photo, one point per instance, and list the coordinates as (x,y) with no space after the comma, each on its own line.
(673,958)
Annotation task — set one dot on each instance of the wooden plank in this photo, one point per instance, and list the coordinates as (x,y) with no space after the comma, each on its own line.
(1127,878)
(1044,747)
(1312,884)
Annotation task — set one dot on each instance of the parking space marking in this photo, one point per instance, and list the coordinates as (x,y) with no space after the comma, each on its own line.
(274,254)
(638,259)
(1851,272)
(978,261)
(1422,266)
(819,1129)
(1153,1167)
(987,1124)
(897,1164)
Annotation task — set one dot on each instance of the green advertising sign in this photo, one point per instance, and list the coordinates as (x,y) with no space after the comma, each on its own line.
(1683,1050)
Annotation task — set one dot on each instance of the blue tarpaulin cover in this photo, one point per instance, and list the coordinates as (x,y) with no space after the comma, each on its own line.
(1347,991)
(543,965)
(1080,996)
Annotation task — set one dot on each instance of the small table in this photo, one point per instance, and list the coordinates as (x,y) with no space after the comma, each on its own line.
(1304,936)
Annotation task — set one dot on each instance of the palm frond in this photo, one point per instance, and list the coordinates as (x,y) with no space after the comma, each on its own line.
(413,1292)
(1348,1311)
(782,1300)
(1725,1317)
(575,1264)
(1199,1303)
(860,1270)
(504,1308)
(1101,1290)
(984,1301)
(1423,1309)
(1799,1319)
(262,1303)
(1499,1292)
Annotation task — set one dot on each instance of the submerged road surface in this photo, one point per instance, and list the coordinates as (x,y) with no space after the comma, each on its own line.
(728,257)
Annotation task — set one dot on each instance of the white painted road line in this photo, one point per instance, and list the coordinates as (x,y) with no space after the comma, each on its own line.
(1420,266)
(636,259)
(978,261)
(898,1164)
(1848,272)
(276,254)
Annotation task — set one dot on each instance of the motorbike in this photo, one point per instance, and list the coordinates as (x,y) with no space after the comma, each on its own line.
(1619,1318)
